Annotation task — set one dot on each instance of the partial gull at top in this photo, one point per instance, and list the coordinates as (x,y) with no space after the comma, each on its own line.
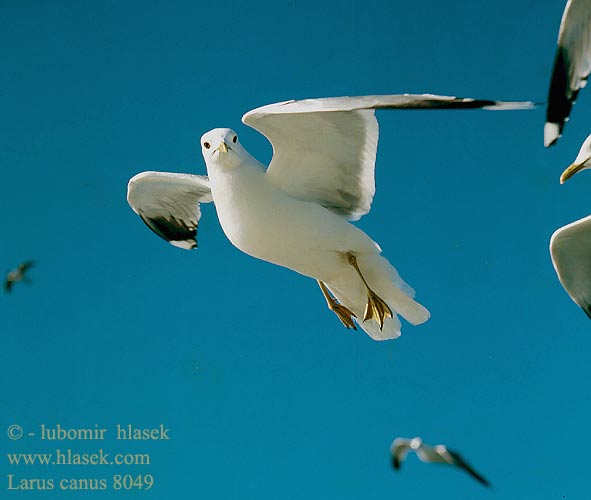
(432,454)
(572,65)
(294,213)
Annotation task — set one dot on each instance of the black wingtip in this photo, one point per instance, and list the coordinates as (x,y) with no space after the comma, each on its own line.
(560,97)
(28,264)
(175,231)
(460,462)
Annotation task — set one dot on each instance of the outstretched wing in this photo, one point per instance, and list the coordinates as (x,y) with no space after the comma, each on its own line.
(25,266)
(169,204)
(398,451)
(324,150)
(570,249)
(461,463)
(572,65)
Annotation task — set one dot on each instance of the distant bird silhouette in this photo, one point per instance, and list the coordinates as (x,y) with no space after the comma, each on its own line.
(438,454)
(17,275)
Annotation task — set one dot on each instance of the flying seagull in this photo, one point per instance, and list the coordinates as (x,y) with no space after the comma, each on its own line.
(572,65)
(570,246)
(18,274)
(437,454)
(294,213)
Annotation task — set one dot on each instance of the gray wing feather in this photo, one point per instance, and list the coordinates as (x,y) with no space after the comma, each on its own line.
(398,451)
(324,150)
(168,204)
(570,249)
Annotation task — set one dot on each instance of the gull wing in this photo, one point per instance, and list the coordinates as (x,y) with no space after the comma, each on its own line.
(324,150)
(570,249)
(398,450)
(462,464)
(25,266)
(572,65)
(169,204)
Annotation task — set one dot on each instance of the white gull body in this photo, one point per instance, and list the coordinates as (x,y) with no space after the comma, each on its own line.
(263,221)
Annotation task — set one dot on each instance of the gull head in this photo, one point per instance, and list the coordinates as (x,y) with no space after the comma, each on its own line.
(221,147)
(416,443)
(582,162)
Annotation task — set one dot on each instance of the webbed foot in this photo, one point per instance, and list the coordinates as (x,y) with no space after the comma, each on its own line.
(375,308)
(342,312)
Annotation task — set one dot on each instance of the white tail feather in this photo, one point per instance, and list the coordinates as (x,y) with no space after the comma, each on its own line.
(383,279)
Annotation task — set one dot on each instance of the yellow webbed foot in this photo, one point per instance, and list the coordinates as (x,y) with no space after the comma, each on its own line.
(376,309)
(342,312)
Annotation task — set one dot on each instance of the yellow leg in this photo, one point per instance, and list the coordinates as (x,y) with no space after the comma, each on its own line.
(344,314)
(375,308)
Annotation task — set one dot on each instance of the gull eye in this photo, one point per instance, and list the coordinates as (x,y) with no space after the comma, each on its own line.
(235,139)
(206,145)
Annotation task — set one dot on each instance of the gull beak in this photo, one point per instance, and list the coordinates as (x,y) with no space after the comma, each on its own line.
(572,170)
(222,148)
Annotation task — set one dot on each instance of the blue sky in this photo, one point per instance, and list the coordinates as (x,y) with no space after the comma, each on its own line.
(120,327)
